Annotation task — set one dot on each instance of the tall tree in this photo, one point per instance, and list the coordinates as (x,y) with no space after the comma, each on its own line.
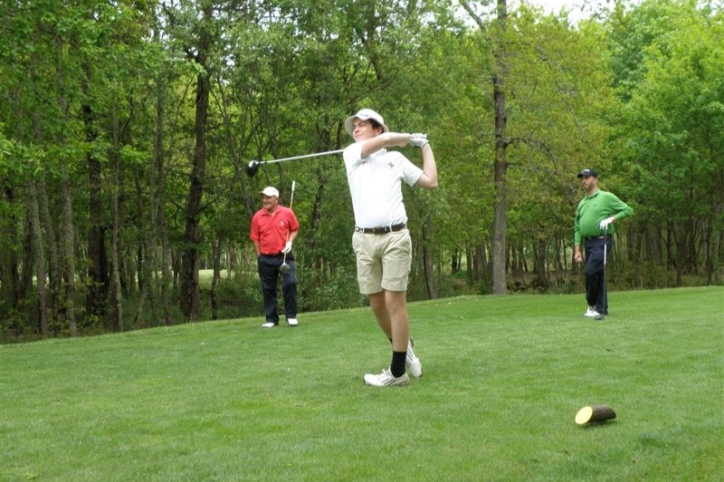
(672,122)
(39,251)
(198,53)
(500,164)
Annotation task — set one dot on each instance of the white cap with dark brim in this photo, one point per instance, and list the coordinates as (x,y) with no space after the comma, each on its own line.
(364,114)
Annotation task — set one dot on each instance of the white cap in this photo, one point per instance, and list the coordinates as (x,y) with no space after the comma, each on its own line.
(270,191)
(365,114)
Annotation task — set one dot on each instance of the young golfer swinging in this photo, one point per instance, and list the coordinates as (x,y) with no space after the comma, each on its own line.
(381,240)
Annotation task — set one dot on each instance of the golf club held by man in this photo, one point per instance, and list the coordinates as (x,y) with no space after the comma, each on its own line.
(273,230)
(593,229)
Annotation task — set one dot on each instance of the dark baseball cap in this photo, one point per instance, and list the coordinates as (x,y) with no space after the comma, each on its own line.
(587,172)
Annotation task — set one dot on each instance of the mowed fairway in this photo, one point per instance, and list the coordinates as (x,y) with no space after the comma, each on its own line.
(504,378)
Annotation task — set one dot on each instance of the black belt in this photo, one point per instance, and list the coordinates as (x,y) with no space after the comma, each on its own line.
(381,229)
(277,255)
(591,238)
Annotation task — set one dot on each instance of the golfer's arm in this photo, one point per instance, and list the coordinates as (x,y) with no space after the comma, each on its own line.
(257,247)
(388,139)
(428,180)
(577,229)
(293,235)
(622,210)
(614,208)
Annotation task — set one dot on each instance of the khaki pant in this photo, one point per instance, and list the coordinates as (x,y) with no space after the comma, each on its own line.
(383,261)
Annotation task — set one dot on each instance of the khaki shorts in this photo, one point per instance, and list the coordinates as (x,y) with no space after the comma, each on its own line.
(383,261)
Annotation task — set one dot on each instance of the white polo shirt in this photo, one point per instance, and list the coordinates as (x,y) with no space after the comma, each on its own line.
(375,184)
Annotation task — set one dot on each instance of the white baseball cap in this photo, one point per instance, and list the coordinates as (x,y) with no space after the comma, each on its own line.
(364,114)
(270,191)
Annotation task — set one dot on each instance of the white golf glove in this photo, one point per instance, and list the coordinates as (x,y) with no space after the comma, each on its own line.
(288,247)
(604,224)
(418,140)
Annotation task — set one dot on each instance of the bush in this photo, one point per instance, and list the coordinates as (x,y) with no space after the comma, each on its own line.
(321,291)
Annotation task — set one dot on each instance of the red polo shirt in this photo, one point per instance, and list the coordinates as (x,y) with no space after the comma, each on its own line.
(271,230)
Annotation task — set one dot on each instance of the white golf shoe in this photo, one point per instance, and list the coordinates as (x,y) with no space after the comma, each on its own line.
(412,363)
(269,324)
(386,379)
(592,313)
(292,321)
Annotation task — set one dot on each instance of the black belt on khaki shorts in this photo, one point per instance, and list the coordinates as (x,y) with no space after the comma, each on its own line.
(381,229)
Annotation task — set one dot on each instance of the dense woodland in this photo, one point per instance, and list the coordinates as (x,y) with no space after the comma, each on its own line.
(126,127)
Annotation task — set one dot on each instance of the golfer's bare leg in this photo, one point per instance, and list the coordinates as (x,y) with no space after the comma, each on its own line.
(379,308)
(396,303)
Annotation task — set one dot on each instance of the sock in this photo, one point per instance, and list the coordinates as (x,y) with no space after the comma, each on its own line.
(397,367)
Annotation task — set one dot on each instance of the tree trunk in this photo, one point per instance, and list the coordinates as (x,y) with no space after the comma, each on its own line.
(117,322)
(53,264)
(708,263)
(539,260)
(470,262)
(501,164)
(96,296)
(427,260)
(216,260)
(146,243)
(17,286)
(66,236)
(316,218)
(39,252)
(190,302)
(158,216)
(595,413)
(67,244)
(456,261)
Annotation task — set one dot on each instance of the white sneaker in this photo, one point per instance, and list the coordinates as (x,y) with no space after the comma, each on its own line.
(269,324)
(412,363)
(592,313)
(292,321)
(385,379)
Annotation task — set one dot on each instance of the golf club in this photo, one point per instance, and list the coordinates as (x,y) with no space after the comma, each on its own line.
(605,288)
(254,165)
(284,268)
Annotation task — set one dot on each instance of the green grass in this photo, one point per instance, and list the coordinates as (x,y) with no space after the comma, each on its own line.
(504,378)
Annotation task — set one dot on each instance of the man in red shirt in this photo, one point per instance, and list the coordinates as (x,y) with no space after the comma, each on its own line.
(273,230)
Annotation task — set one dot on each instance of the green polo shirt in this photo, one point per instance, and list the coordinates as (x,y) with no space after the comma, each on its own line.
(595,208)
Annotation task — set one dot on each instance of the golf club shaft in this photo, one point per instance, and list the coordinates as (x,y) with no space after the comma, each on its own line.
(291,202)
(605,253)
(304,156)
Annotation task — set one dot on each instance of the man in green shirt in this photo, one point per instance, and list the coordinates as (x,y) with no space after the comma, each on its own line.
(594,227)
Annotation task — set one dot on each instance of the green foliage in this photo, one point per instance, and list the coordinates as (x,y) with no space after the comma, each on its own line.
(504,378)
(671,127)
(636,93)
(319,291)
